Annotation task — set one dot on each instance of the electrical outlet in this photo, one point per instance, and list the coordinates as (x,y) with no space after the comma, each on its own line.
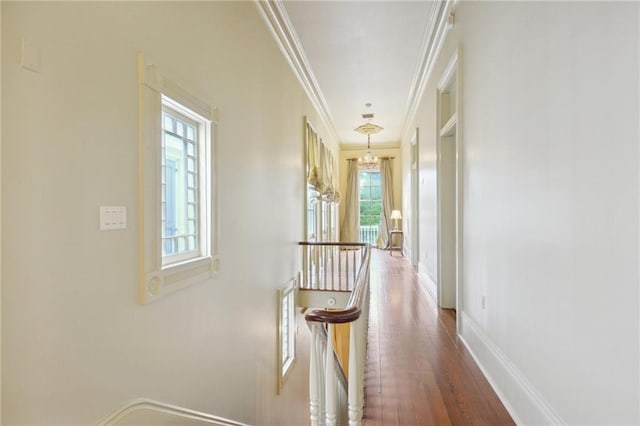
(484,305)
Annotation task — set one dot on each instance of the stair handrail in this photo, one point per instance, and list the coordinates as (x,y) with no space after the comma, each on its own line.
(170,409)
(353,310)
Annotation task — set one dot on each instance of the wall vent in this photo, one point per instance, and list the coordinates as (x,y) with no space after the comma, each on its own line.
(367,116)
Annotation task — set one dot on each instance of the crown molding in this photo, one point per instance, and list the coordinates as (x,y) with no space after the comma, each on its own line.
(275,16)
(435,35)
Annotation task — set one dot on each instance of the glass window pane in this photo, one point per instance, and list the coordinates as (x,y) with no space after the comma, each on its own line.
(191,132)
(191,164)
(376,193)
(191,211)
(376,209)
(364,207)
(179,185)
(370,205)
(169,123)
(365,193)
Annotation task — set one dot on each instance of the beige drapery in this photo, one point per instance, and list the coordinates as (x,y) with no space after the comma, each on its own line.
(350,229)
(313,157)
(386,181)
(321,167)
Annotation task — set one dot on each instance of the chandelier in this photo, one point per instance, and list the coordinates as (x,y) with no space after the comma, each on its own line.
(368,161)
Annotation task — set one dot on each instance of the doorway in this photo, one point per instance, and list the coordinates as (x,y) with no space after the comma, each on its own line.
(415,202)
(449,187)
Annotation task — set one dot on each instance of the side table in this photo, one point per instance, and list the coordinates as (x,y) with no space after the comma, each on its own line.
(396,240)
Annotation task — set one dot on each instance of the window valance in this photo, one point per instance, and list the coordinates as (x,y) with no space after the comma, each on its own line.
(320,166)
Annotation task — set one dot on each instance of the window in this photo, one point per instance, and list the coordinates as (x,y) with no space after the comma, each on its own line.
(312,201)
(183,137)
(370,206)
(286,332)
(177,186)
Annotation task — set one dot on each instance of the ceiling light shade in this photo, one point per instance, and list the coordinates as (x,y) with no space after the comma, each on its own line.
(368,161)
(368,128)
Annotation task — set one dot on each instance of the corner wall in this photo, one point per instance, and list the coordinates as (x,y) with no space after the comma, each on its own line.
(549,129)
(75,344)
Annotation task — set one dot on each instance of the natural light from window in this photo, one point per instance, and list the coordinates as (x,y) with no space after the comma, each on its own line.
(370,205)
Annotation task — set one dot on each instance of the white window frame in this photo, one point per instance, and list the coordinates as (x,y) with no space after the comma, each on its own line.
(286,331)
(158,278)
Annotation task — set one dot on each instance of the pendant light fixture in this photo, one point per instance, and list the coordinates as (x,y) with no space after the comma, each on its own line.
(368,161)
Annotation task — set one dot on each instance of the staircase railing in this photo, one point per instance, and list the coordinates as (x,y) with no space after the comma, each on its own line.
(148,411)
(331,402)
(330,266)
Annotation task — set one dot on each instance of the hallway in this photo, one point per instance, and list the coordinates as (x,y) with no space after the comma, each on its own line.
(418,371)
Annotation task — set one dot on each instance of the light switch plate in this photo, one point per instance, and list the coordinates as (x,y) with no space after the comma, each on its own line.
(113,217)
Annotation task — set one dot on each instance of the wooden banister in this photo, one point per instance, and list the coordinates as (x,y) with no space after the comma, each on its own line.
(353,310)
(331,244)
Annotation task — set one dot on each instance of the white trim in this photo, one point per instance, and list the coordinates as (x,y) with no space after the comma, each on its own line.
(436,34)
(427,282)
(452,67)
(414,167)
(156,280)
(161,407)
(285,365)
(277,20)
(450,128)
(0,223)
(521,399)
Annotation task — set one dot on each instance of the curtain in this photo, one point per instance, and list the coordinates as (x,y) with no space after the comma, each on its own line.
(314,172)
(326,172)
(350,229)
(386,182)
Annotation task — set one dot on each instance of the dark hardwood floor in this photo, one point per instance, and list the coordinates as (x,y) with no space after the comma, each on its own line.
(418,371)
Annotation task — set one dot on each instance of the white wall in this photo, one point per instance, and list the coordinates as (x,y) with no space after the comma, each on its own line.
(550,162)
(75,344)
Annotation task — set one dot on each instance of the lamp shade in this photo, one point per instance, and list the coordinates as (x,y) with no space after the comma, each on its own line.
(395,214)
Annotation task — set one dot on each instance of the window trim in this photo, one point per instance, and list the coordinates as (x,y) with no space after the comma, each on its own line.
(287,330)
(155,279)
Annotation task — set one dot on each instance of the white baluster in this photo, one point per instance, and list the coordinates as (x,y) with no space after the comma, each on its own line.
(316,376)
(354,387)
(330,378)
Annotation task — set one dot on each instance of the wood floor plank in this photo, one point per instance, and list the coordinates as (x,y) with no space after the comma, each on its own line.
(418,370)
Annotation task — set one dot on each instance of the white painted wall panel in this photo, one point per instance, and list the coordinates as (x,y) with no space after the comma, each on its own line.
(75,343)
(550,155)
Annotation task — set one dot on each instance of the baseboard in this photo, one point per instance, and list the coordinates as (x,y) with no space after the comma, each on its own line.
(427,282)
(523,402)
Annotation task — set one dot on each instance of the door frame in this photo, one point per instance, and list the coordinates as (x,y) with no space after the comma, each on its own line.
(414,166)
(451,77)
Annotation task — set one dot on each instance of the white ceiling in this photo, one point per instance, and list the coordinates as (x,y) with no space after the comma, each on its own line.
(359,52)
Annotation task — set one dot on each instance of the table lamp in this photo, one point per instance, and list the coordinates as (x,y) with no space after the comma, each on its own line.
(395,215)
